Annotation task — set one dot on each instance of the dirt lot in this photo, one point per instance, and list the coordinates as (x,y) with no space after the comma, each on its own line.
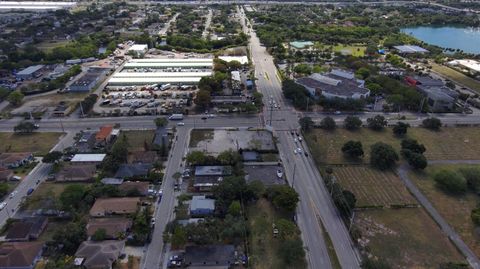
(38,143)
(373,187)
(405,238)
(450,143)
(49,101)
(455,209)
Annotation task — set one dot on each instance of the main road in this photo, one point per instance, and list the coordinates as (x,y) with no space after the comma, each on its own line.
(316,214)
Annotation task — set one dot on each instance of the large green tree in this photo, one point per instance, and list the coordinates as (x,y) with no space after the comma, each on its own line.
(383,156)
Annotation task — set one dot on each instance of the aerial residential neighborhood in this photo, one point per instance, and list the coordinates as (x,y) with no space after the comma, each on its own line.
(239,134)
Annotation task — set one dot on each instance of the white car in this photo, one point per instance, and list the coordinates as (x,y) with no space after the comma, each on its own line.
(152,221)
(181,124)
(299,150)
(300,138)
(3,205)
(295,140)
(295,151)
(13,194)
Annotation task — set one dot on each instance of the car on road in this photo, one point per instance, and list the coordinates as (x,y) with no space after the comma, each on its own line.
(13,194)
(181,123)
(211,116)
(299,150)
(152,222)
(295,140)
(30,191)
(3,205)
(295,151)
(292,133)
(204,117)
(338,112)
(306,154)
(300,138)
(36,126)
(297,134)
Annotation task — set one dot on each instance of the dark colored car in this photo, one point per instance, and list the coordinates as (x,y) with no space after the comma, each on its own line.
(30,191)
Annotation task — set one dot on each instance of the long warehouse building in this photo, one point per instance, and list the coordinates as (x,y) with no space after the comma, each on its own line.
(161,74)
(197,63)
(153,80)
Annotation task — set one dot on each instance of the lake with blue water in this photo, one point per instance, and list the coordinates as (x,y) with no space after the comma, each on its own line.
(464,38)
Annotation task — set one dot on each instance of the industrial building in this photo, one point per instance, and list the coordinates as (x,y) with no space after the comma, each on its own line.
(336,84)
(472,66)
(140,72)
(34,5)
(30,72)
(86,82)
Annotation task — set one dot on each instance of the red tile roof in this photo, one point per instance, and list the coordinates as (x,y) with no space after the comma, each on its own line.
(104,132)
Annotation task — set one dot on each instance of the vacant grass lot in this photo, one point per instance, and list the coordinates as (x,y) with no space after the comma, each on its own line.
(263,246)
(373,187)
(37,143)
(455,209)
(198,135)
(405,238)
(47,46)
(45,196)
(450,143)
(456,76)
(137,140)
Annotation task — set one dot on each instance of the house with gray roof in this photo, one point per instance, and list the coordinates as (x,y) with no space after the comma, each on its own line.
(133,170)
(101,254)
(202,206)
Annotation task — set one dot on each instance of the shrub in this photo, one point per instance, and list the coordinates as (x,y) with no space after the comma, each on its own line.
(450,181)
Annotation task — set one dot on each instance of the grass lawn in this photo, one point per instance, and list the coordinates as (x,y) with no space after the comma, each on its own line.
(45,195)
(263,246)
(37,143)
(455,209)
(405,238)
(47,46)
(138,139)
(373,187)
(456,76)
(198,135)
(357,51)
(450,143)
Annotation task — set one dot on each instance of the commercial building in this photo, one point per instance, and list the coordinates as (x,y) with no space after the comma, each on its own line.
(170,64)
(34,5)
(139,49)
(407,49)
(439,97)
(150,78)
(88,158)
(30,72)
(87,81)
(301,44)
(336,84)
(240,59)
(472,66)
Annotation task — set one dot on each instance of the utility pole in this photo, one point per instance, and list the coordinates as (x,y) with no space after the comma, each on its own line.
(61,124)
(271,113)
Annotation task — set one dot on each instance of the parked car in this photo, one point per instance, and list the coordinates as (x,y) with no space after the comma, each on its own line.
(3,205)
(181,123)
(30,191)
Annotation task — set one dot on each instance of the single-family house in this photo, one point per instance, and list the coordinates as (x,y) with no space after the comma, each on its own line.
(26,229)
(104,134)
(114,227)
(114,206)
(133,170)
(20,255)
(202,206)
(76,173)
(99,255)
(95,159)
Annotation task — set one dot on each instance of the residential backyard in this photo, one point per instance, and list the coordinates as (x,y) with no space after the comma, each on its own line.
(455,209)
(405,238)
(373,188)
(450,143)
(37,143)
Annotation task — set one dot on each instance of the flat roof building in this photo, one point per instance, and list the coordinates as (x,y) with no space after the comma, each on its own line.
(410,49)
(471,65)
(88,158)
(171,65)
(86,82)
(30,72)
(139,49)
(240,59)
(336,84)
(150,81)
(301,44)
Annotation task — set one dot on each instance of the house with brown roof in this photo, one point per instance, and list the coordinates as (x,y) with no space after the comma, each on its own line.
(76,173)
(20,255)
(142,157)
(26,229)
(114,227)
(137,188)
(103,136)
(99,255)
(15,159)
(5,174)
(114,206)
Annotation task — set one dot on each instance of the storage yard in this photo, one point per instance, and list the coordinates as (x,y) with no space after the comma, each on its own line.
(155,85)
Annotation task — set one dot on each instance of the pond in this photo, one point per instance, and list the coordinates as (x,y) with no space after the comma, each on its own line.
(463,38)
